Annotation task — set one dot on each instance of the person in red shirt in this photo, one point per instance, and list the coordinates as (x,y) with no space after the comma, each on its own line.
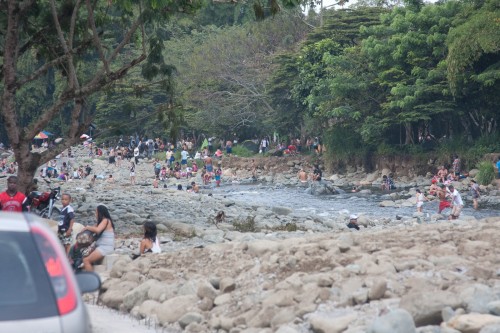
(11,200)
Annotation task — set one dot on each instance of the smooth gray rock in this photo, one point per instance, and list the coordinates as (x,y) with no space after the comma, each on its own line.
(190,317)
(495,328)
(426,307)
(398,320)
(494,308)
(429,329)
(477,298)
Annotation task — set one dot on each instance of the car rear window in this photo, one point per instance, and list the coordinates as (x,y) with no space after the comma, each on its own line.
(26,292)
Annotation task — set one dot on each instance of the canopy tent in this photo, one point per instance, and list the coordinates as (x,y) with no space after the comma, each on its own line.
(41,135)
(47,133)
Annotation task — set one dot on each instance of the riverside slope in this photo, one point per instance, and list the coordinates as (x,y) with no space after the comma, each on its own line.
(393,276)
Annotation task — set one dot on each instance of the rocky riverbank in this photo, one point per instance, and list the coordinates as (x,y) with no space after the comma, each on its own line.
(439,278)
(267,268)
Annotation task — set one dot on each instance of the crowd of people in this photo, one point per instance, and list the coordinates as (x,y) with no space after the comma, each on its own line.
(97,241)
(443,190)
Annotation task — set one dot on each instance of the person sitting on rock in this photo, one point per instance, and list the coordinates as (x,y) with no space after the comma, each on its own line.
(302,175)
(353,222)
(433,189)
(442,174)
(149,242)
(105,243)
(317,173)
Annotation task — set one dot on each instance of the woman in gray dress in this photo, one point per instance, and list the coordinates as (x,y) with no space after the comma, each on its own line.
(105,231)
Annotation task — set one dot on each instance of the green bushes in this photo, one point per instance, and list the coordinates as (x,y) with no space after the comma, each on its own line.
(242,151)
(486,173)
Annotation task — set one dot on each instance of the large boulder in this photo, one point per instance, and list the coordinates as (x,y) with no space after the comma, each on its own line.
(397,320)
(425,307)
(173,309)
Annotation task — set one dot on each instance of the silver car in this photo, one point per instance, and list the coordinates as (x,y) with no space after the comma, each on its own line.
(38,290)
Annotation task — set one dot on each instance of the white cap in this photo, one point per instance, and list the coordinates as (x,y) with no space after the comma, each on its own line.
(353,217)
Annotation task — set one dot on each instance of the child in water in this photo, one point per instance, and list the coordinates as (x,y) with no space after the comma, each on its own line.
(218,175)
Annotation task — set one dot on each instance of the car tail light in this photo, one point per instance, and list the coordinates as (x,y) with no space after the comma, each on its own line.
(58,271)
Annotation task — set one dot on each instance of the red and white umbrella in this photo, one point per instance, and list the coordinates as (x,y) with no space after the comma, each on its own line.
(84,136)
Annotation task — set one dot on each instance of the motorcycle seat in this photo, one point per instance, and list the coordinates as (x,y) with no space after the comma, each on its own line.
(35,194)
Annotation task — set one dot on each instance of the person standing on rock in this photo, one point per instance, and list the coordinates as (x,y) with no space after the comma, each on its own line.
(184,157)
(66,221)
(132,173)
(263,145)
(456,201)
(105,231)
(456,166)
(111,158)
(136,154)
(208,164)
(229,147)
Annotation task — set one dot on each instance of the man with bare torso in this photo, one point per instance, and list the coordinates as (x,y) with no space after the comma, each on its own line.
(302,175)
(442,173)
(443,202)
(209,164)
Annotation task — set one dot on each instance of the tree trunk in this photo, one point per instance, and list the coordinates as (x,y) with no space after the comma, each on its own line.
(467,128)
(409,134)
(27,162)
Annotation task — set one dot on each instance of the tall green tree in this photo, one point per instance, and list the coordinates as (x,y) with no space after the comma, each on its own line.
(84,46)
(474,63)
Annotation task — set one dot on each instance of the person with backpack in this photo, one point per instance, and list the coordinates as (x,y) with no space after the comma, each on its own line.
(157,168)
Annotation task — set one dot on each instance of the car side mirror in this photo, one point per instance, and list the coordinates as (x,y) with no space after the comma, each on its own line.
(88,281)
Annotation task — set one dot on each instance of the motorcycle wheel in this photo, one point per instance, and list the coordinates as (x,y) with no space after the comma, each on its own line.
(54,216)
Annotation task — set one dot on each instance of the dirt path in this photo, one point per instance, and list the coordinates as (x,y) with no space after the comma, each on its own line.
(105,320)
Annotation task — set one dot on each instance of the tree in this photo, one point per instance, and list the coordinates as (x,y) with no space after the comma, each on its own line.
(222,73)
(408,52)
(84,46)
(474,63)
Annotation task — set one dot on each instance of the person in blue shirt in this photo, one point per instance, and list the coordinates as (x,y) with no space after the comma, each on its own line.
(498,167)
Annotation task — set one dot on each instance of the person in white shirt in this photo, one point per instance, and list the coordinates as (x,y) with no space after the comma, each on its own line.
(263,145)
(420,200)
(456,201)
(136,155)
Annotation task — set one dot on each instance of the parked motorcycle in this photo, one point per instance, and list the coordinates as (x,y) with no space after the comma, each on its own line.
(43,203)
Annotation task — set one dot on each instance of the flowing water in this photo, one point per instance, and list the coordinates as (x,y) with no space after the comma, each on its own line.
(304,204)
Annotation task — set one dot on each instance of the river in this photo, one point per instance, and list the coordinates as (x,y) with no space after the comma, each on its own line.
(332,205)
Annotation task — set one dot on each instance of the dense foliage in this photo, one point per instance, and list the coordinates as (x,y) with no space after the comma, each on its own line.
(382,76)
